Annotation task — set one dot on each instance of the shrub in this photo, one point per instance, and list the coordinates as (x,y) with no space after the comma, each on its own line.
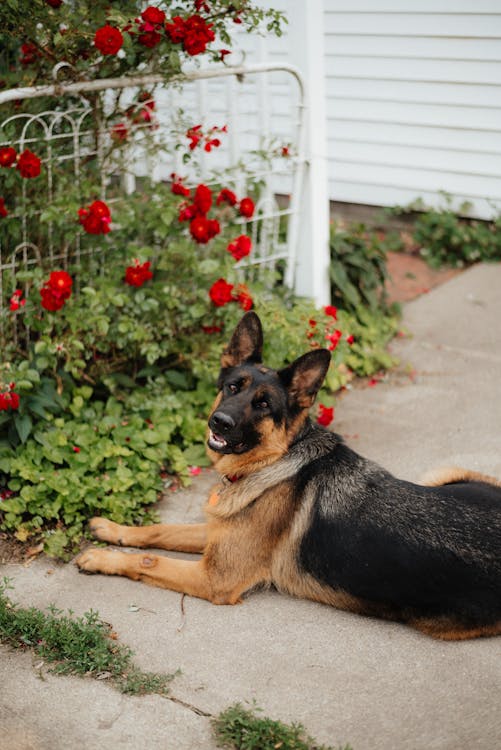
(446,237)
(109,357)
(358,266)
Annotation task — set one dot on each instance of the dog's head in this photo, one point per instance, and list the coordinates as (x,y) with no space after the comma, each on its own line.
(258,410)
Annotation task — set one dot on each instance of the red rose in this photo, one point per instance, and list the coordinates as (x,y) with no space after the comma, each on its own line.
(247,207)
(9,400)
(148,39)
(350,339)
(244,298)
(221,293)
(214,228)
(334,339)
(331,310)
(137,274)
(210,143)
(95,219)
(226,196)
(56,290)
(194,44)
(141,115)
(108,40)
(200,229)
(153,15)
(176,30)
(211,329)
(49,301)
(29,53)
(16,302)
(54,3)
(325,415)
(3,210)
(240,247)
(203,199)
(28,164)
(197,35)
(187,213)
(92,224)
(119,132)
(178,188)
(99,208)
(8,156)
(195,135)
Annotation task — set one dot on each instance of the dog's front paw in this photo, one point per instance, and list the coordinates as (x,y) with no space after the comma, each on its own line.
(106,531)
(93,560)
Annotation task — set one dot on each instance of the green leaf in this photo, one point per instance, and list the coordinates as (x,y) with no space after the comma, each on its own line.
(23,426)
(177,379)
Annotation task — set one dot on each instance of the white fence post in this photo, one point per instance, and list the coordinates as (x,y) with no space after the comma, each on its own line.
(306,34)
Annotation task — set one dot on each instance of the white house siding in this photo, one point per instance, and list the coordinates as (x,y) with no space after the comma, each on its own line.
(414,101)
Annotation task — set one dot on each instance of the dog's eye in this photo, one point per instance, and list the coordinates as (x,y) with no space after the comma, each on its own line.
(233,388)
(262,404)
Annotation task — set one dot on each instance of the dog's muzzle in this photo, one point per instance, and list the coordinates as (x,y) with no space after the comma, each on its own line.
(221,427)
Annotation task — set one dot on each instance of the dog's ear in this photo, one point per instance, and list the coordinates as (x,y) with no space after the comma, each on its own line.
(246,344)
(304,377)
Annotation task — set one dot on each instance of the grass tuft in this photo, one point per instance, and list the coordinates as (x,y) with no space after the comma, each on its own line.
(84,646)
(239,728)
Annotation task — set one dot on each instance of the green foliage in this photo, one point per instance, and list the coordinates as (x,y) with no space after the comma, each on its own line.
(102,452)
(115,386)
(41,27)
(358,267)
(446,237)
(99,458)
(239,728)
(372,332)
(83,646)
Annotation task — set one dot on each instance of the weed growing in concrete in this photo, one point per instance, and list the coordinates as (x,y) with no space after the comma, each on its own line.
(84,646)
(239,728)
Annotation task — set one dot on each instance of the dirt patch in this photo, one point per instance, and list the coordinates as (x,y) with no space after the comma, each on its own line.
(411,276)
(12,551)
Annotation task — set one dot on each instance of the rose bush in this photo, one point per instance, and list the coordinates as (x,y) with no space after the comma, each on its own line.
(108,395)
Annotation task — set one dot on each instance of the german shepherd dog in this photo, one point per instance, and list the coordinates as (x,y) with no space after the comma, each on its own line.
(298,509)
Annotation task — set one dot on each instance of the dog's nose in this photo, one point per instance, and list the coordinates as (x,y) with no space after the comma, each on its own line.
(221,422)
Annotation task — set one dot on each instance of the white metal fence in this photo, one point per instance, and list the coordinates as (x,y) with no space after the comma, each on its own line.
(263,107)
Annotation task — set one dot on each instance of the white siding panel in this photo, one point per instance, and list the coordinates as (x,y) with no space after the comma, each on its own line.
(430,180)
(468,95)
(414,100)
(411,135)
(419,158)
(434,115)
(414,24)
(417,69)
(424,6)
(439,48)
(388,195)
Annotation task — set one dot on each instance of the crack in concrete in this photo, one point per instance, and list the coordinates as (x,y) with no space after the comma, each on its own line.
(190,706)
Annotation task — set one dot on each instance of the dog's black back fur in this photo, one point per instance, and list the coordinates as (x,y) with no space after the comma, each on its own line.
(419,551)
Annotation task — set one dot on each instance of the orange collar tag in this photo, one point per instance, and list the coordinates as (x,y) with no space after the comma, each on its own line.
(213,498)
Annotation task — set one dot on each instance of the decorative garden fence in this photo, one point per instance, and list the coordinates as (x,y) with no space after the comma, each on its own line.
(263,107)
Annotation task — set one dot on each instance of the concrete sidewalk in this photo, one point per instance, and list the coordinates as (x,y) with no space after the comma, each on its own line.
(376,685)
